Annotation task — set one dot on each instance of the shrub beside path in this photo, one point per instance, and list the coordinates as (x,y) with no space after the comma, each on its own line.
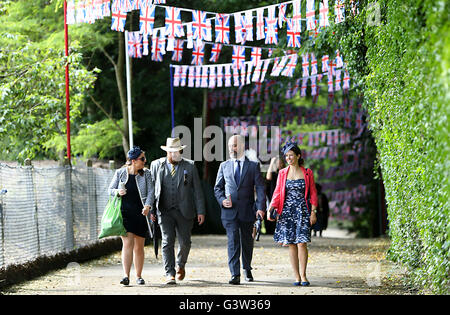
(338,264)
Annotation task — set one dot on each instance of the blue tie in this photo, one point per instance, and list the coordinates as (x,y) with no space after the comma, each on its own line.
(237,174)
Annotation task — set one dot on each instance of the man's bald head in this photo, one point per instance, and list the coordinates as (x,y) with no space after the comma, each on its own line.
(236,146)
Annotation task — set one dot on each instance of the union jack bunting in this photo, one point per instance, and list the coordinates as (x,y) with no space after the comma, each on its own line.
(239,30)
(219,76)
(238,57)
(330,81)
(313,64)
(235,76)
(323,14)
(198,53)
(176,75)
(313,85)
(257,72)
(293,37)
(208,34)
(325,60)
(290,66)
(189,36)
(70,14)
(80,12)
(310,15)
(249,72)
(279,66)
(260,32)
(339,11)
(183,75)
(256,55)
(264,70)
(204,80)
(191,77)
(106,7)
(212,77)
(98,9)
(222,28)
(118,18)
(145,45)
(303,87)
(297,16)
(215,52)
(346,85)
(281,14)
(248,17)
(227,75)
(146,19)
(199,26)
(198,76)
(271,27)
(157,43)
(338,61)
(338,80)
(127,6)
(242,70)
(174,27)
(305,65)
(134,42)
(178,50)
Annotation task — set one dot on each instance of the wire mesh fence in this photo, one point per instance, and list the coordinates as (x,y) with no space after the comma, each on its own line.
(46,211)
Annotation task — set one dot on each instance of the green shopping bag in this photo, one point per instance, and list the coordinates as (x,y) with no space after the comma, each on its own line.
(112,222)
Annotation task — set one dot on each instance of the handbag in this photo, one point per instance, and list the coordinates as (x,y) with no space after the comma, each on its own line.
(112,221)
(273,214)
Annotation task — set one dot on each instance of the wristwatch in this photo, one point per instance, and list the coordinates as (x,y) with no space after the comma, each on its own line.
(315,210)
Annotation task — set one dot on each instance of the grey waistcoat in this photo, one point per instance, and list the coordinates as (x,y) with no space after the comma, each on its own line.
(169,191)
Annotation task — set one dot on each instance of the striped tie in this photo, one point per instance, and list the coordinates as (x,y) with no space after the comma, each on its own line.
(172,172)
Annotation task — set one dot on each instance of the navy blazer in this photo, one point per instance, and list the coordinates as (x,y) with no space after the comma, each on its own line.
(242,193)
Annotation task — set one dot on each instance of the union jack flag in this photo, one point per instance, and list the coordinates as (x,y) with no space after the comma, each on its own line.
(212,77)
(198,53)
(297,16)
(338,80)
(325,60)
(238,57)
(204,79)
(249,25)
(290,67)
(176,75)
(191,78)
(292,36)
(313,85)
(80,12)
(323,14)
(198,76)
(106,8)
(256,55)
(156,48)
(134,45)
(146,19)
(310,15)
(278,65)
(338,61)
(227,75)
(215,52)
(199,25)
(271,27)
(313,64)
(303,87)
(239,28)
(257,72)
(281,14)
(305,65)
(222,28)
(183,75)
(174,27)
(346,85)
(264,70)
(339,11)
(219,76)
(118,19)
(178,50)
(260,26)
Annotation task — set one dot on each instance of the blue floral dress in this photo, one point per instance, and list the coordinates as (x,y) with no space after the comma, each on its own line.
(293,225)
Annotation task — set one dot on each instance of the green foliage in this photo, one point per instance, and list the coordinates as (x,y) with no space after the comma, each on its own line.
(406,90)
(32,89)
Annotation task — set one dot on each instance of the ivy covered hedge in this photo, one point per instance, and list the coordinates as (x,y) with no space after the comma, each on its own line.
(399,52)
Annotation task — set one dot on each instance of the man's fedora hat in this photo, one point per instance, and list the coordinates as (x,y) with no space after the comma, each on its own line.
(173,145)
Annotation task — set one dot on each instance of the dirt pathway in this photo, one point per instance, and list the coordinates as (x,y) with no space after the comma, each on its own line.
(338,264)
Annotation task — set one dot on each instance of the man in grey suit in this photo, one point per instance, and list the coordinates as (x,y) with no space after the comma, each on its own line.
(178,199)
(236,183)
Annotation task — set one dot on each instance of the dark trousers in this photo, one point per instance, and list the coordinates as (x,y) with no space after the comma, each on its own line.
(240,238)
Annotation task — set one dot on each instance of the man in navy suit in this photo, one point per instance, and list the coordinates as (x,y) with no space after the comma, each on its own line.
(236,183)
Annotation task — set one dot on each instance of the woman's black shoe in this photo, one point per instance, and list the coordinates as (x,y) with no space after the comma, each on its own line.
(125,281)
(140,281)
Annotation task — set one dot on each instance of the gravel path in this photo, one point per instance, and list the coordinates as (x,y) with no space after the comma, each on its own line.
(338,264)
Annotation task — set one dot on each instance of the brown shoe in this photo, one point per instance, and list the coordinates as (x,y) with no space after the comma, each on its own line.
(180,273)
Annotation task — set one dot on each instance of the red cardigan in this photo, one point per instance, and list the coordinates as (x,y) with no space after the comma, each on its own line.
(279,194)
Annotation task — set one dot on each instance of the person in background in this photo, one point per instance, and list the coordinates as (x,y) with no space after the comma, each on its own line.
(132,182)
(295,189)
(323,211)
(276,164)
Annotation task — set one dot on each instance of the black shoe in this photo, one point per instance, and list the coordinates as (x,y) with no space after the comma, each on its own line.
(140,281)
(125,281)
(235,280)
(248,276)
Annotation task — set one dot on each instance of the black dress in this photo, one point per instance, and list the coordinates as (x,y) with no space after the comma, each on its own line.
(132,206)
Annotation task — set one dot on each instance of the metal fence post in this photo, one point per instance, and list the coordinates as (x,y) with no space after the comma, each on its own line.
(69,244)
(2,225)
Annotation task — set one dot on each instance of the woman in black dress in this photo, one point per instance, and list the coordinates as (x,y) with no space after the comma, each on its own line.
(132,182)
